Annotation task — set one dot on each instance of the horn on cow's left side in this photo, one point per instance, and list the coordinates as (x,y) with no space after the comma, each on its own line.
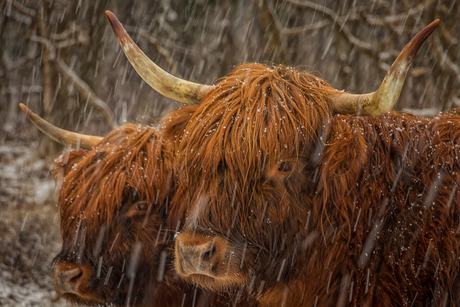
(383,100)
(161,81)
(61,136)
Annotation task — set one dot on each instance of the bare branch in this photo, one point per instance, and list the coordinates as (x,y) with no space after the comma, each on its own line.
(313,27)
(86,91)
(66,43)
(447,36)
(64,34)
(392,19)
(154,41)
(9,3)
(23,9)
(51,50)
(444,59)
(271,27)
(75,32)
(419,71)
(339,22)
(80,85)
(25,89)
(50,53)
(53,46)
(21,17)
(361,46)
(18,63)
(317,7)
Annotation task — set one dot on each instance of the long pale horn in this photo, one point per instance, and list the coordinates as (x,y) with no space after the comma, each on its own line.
(60,135)
(384,99)
(161,81)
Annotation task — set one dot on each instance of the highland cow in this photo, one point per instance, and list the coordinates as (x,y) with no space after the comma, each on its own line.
(285,200)
(113,204)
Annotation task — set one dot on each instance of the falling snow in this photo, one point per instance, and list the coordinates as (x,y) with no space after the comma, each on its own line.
(44,63)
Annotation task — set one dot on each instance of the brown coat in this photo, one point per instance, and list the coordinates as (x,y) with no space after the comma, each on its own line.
(290,204)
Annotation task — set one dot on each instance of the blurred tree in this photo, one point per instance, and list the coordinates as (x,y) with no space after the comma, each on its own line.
(61,58)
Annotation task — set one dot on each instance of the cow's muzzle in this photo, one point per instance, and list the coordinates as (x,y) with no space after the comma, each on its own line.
(197,255)
(69,278)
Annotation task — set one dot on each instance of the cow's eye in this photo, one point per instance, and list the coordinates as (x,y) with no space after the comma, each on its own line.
(284,167)
(141,206)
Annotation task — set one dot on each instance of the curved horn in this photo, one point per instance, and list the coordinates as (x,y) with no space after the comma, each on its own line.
(164,83)
(59,135)
(383,100)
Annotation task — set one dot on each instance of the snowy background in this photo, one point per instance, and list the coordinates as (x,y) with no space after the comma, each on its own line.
(49,46)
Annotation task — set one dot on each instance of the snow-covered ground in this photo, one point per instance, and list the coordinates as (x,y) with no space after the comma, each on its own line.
(29,228)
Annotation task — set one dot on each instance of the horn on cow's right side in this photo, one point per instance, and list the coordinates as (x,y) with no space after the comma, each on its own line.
(61,136)
(161,81)
(384,99)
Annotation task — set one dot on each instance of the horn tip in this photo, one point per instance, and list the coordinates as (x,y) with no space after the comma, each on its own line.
(109,14)
(428,29)
(432,26)
(115,23)
(25,109)
(416,42)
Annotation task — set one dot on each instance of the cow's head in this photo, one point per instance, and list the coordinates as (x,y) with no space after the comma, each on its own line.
(245,173)
(249,158)
(113,203)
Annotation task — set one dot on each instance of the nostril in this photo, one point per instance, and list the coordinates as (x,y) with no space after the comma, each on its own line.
(74,279)
(206,256)
(69,279)
(197,254)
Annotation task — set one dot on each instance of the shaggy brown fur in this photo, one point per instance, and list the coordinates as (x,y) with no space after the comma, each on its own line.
(307,208)
(113,204)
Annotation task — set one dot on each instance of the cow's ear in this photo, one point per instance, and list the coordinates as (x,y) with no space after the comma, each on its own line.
(64,163)
(173,124)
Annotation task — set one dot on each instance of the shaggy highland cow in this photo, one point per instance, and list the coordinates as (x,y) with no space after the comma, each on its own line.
(283,199)
(113,203)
